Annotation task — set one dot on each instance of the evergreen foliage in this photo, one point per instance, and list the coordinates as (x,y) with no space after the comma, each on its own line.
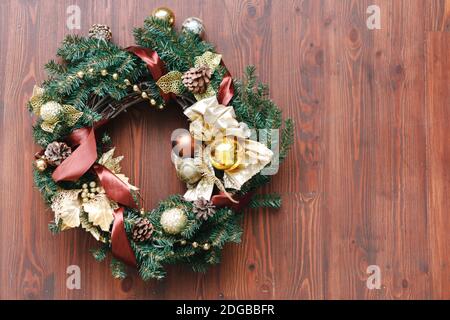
(178,51)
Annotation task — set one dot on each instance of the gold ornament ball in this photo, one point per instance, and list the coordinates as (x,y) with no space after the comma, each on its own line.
(91,70)
(206,246)
(80,74)
(84,186)
(188,172)
(226,154)
(115,76)
(104,72)
(135,88)
(127,82)
(153,102)
(194,244)
(183,242)
(41,165)
(173,220)
(51,111)
(144,95)
(165,14)
(161,106)
(92,184)
(194,25)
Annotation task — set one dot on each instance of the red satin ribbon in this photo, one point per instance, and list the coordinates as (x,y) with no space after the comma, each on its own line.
(221,200)
(120,245)
(115,188)
(226,88)
(154,64)
(81,160)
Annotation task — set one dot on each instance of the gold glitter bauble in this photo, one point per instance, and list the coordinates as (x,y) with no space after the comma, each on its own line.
(51,111)
(173,220)
(226,154)
(165,14)
(194,25)
(188,172)
(40,164)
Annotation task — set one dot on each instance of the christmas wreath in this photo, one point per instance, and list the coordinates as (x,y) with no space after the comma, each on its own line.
(222,158)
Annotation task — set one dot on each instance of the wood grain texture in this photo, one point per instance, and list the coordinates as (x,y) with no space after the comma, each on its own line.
(366,183)
(438,156)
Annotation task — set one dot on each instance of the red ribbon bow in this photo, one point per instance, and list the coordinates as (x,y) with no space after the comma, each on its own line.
(81,161)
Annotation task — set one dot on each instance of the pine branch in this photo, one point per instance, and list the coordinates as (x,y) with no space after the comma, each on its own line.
(287,139)
(266,200)
(101,253)
(118,269)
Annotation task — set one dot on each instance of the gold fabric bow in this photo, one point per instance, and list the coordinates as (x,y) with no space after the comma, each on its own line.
(211,121)
(51,112)
(171,82)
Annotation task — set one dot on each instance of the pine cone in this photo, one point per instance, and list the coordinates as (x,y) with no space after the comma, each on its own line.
(56,152)
(100,32)
(196,80)
(142,230)
(204,208)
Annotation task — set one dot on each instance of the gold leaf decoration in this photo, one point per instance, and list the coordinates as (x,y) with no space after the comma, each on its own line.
(109,161)
(99,211)
(89,227)
(212,60)
(171,82)
(37,100)
(72,114)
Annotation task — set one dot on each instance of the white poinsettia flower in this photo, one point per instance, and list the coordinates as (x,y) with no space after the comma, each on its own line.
(67,207)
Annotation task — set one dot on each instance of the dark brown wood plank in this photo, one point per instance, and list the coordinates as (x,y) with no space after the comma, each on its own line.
(438,156)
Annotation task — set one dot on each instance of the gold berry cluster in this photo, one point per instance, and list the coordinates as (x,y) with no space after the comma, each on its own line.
(90,190)
(195,244)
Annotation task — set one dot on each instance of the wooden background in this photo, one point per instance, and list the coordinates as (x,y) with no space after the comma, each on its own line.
(366,183)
